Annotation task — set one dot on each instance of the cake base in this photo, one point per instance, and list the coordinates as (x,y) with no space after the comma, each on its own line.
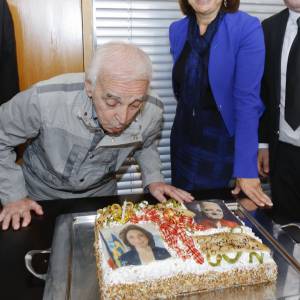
(189,283)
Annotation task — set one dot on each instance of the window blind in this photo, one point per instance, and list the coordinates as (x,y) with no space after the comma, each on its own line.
(145,23)
(262,8)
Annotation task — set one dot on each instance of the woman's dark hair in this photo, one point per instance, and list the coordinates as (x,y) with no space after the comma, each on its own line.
(231,6)
(123,235)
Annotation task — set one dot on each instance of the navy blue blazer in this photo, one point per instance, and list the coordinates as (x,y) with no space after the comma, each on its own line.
(132,257)
(235,70)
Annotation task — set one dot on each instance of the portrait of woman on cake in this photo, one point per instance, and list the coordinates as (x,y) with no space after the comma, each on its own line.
(142,247)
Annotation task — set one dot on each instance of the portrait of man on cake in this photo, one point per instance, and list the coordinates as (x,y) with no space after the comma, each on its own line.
(213,214)
(133,245)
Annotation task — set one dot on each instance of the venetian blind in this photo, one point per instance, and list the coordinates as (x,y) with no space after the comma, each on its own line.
(145,23)
(262,8)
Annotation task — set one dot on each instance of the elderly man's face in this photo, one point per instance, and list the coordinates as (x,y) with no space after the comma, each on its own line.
(117,102)
(212,210)
(293,4)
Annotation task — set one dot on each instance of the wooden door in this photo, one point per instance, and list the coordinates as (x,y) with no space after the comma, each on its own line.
(48,38)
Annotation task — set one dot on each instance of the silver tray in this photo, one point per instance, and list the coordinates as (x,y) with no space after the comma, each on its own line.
(72,269)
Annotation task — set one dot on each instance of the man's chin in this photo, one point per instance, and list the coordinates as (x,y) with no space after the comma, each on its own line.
(114,131)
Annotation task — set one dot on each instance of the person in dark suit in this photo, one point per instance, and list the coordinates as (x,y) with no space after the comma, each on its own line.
(142,247)
(279,134)
(9,80)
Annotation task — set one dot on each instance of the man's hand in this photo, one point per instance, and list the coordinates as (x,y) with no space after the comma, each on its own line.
(15,211)
(252,188)
(159,190)
(263,162)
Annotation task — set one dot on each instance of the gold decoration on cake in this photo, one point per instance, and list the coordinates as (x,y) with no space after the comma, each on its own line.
(116,213)
(228,242)
(127,211)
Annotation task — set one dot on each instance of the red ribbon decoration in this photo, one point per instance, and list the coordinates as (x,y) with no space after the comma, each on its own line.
(174,230)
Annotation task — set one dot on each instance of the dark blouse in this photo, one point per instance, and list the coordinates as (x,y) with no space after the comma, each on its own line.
(207,102)
(132,257)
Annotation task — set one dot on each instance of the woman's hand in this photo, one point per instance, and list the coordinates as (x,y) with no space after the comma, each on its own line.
(253,190)
(160,190)
(15,211)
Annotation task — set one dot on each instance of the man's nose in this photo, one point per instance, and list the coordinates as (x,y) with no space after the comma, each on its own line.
(122,115)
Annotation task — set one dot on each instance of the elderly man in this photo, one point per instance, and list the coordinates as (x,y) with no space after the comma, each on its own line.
(81,130)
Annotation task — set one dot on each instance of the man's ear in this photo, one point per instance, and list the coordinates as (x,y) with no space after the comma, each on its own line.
(89,88)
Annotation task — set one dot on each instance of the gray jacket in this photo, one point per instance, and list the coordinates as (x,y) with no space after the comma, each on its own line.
(68,155)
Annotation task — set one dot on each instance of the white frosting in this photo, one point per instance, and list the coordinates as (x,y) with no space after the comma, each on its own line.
(174,265)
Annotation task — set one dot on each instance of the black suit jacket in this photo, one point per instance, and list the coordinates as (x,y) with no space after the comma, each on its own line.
(274,31)
(9,81)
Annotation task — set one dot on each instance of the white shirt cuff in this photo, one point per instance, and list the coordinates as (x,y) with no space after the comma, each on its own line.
(263,146)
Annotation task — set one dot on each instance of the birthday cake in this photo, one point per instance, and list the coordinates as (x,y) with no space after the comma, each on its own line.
(165,250)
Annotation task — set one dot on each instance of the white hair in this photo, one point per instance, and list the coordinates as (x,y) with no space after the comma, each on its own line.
(120,60)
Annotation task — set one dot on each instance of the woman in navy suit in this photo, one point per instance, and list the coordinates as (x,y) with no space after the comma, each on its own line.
(218,55)
(143,249)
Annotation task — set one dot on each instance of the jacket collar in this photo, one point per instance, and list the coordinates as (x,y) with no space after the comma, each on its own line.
(86,113)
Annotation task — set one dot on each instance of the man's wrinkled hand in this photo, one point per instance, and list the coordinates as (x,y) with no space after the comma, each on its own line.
(161,190)
(263,162)
(12,213)
(253,190)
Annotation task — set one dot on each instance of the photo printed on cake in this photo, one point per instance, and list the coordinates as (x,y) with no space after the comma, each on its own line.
(132,244)
(213,213)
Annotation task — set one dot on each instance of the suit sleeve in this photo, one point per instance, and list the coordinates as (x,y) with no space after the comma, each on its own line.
(248,105)
(171,40)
